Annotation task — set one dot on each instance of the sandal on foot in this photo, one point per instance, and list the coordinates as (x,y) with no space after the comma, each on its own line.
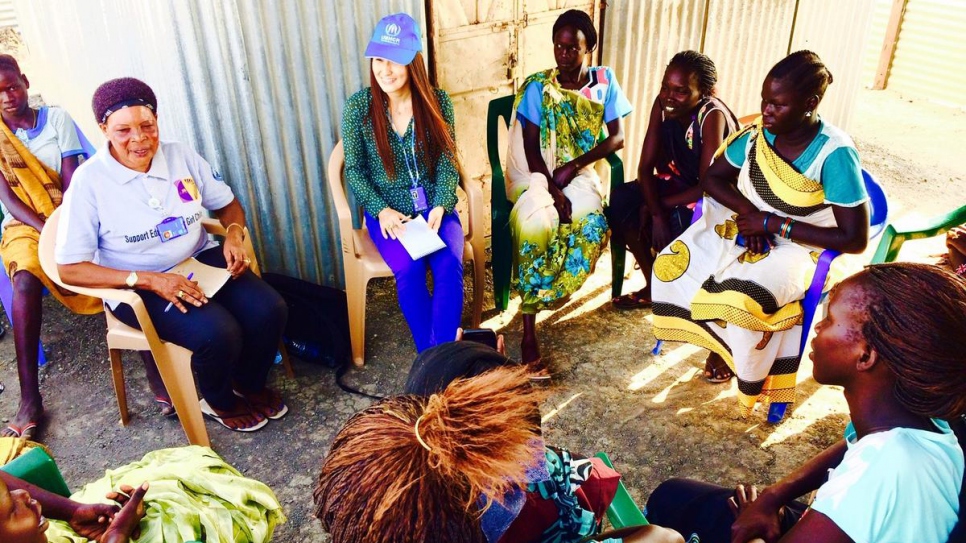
(167,408)
(207,411)
(272,410)
(717,374)
(27,432)
(538,372)
(633,300)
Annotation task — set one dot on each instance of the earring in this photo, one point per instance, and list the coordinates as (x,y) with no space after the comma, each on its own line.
(808,113)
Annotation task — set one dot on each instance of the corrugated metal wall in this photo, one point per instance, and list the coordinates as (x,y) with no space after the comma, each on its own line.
(256,87)
(873,45)
(8,16)
(743,38)
(931,52)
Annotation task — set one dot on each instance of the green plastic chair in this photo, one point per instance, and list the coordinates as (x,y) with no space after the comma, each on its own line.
(39,469)
(892,239)
(622,512)
(500,208)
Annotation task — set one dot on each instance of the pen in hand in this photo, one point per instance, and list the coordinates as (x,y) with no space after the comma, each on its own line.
(190,275)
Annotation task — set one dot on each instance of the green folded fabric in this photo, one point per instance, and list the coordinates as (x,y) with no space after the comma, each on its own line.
(194,496)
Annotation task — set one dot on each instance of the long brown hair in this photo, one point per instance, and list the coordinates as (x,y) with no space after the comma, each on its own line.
(433,136)
(380,485)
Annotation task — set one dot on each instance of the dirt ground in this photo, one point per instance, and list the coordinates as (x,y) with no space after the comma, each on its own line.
(655,415)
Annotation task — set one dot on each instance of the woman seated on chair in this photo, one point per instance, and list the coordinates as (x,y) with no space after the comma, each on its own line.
(400,161)
(898,474)
(783,189)
(39,151)
(134,211)
(459,461)
(687,125)
(564,120)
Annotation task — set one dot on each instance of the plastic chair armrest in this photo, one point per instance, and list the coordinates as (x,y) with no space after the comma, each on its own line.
(474,205)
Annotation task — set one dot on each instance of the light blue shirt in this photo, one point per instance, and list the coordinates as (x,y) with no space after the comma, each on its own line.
(602,88)
(897,486)
(830,159)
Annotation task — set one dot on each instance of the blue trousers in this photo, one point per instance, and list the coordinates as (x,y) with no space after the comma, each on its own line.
(233,338)
(432,319)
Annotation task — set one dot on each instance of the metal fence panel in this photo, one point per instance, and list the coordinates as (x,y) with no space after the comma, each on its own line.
(256,87)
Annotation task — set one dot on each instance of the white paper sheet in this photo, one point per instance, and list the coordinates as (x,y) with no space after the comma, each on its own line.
(210,279)
(419,239)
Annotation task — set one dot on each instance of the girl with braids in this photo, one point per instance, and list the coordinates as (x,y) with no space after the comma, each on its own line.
(778,192)
(687,125)
(450,467)
(896,476)
(564,120)
(400,161)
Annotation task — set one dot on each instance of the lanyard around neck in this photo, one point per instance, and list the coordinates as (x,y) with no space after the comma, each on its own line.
(413,169)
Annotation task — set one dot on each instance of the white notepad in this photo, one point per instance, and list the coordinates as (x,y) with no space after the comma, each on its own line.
(209,278)
(419,239)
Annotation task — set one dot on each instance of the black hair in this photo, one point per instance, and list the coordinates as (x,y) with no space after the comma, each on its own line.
(805,71)
(916,322)
(701,66)
(7,62)
(579,21)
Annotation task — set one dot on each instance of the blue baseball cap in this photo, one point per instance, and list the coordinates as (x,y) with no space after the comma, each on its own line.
(396,38)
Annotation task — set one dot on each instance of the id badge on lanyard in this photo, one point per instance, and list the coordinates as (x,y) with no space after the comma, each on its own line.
(172,228)
(416,192)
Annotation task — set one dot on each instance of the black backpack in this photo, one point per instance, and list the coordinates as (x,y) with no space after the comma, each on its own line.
(318,321)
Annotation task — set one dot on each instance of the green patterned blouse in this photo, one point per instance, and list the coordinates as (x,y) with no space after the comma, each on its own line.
(370,183)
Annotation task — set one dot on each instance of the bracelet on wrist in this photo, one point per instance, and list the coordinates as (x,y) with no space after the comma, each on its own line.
(765,223)
(240,228)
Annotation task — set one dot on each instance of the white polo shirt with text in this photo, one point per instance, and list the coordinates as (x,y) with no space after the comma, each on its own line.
(108,216)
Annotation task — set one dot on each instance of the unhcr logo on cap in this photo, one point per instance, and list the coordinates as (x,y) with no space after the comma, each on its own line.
(395,38)
(392,30)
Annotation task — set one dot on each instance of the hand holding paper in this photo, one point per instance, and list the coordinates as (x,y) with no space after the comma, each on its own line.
(419,239)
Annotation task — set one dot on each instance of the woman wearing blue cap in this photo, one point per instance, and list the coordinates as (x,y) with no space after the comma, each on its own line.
(400,161)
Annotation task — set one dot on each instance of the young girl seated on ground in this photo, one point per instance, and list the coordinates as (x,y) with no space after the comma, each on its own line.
(897,475)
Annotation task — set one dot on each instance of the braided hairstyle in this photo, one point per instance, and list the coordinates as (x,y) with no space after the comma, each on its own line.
(380,484)
(578,20)
(806,72)
(916,321)
(700,66)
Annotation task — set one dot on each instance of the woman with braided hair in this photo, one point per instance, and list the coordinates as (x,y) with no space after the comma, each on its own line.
(687,124)
(778,192)
(449,468)
(897,475)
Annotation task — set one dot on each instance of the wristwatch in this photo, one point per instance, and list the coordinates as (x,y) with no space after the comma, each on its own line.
(132,279)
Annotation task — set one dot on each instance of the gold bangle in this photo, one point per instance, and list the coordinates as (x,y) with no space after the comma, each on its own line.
(240,227)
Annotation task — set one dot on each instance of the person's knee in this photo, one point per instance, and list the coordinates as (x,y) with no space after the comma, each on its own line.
(654,534)
(221,340)
(26,284)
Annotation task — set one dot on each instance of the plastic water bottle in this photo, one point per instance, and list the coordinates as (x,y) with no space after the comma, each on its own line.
(306,350)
